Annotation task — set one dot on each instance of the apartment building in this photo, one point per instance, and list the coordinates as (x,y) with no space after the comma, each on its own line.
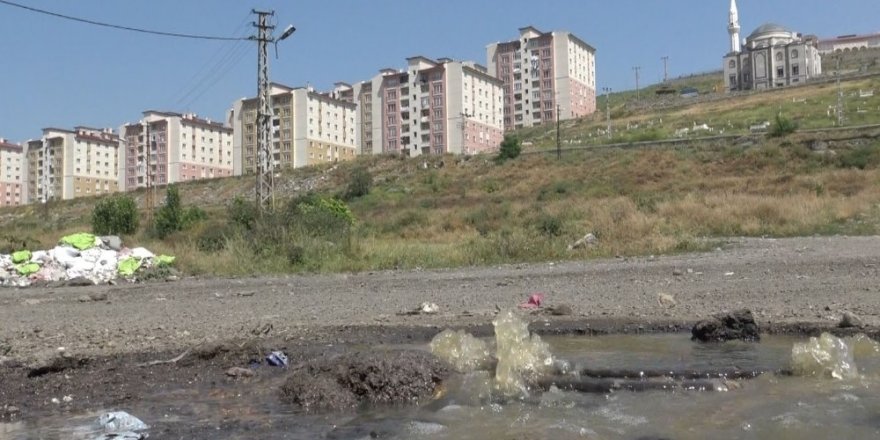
(11,172)
(65,164)
(542,72)
(432,107)
(167,147)
(307,128)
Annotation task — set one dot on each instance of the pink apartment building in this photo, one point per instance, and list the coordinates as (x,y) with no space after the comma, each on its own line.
(166,147)
(11,172)
(432,107)
(542,72)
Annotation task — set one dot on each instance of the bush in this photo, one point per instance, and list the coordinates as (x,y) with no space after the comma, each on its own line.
(359,184)
(169,218)
(115,215)
(859,158)
(509,149)
(191,216)
(550,225)
(782,126)
(212,239)
(242,213)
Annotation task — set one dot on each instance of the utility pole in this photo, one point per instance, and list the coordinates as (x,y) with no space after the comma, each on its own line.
(839,96)
(464,115)
(265,159)
(558,143)
(636,69)
(665,68)
(149,197)
(607,91)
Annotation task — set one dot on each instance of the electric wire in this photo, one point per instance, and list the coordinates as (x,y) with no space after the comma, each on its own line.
(116,26)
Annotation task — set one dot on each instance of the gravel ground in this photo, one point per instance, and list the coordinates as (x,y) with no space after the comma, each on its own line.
(783,281)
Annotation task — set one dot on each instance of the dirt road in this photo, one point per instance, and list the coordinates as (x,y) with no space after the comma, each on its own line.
(810,280)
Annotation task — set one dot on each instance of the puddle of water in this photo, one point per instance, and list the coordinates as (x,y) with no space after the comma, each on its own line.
(770,406)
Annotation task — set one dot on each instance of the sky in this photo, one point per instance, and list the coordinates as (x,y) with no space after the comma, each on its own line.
(60,73)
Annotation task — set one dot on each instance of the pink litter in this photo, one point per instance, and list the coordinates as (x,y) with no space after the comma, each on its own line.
(533,302)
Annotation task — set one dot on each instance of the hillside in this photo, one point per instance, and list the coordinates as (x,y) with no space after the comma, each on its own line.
(458,211)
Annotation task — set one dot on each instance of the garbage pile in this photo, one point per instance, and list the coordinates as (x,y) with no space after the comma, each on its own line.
(82,258)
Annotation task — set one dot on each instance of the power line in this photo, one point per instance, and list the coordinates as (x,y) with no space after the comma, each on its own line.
(116,26)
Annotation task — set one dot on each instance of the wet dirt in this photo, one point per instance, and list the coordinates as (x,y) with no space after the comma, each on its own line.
(800,286)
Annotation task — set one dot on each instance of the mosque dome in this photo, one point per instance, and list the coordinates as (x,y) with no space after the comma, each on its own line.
(767,29)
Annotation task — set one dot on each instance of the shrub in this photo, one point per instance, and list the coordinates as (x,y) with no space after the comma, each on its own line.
(115,215)
(212,239)
(858,158)
(359,184)
(550,225)
(509,149)
(191,216)
(242,213)
(296,254)
(782,126)
(169,218)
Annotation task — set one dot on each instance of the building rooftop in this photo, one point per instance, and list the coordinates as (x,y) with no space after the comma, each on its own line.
(768,28)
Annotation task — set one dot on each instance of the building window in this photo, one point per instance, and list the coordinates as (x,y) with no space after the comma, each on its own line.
(438,89)
(778,56)
(548,83)
(438,126)
(795,70)
(780,72)
(794,54)
(438,101)
(732,64)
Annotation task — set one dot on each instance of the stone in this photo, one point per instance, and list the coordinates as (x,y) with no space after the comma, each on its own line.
(818,145)
(588,240)
(240,372)
(677,272)
(850,320)
(113,242)
(561,310)
(665,300)
(739,324)
(79,282)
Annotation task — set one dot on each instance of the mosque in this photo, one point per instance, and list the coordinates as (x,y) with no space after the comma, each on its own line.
(771,56)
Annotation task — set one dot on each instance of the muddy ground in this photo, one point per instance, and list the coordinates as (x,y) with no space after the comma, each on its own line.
(792,285)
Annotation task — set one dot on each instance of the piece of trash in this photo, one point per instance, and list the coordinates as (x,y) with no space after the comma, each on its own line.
(27,269)
(164,260)
(728,274)
(118,422)
(534,301)
(429,308)
(128,266)
(21,257)
(55,400)
(277,359)
(67,399)
(665,300)
(81,241)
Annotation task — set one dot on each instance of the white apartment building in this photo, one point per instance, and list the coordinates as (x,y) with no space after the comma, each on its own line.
(11,174)
(307,128)
(543,72)
(166,147)
(65,164)
(432,107)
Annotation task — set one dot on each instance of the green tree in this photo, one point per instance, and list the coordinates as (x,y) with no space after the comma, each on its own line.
(115,215)
(169,218)
(359,184)
(509,149)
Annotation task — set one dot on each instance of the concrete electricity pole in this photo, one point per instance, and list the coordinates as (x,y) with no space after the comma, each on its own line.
(607,91)
(665,68)
(464,115)
(840,118)
(637,69)
(558,143)
(265,159)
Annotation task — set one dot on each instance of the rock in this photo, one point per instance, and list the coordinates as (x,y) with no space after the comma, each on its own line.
(240,372)
(818,145)
(665,300)
(677,272)
(384,377)
(113,242)
(79,282)
(739,324)
(849,320)
(561,310)
(586,241)
(93,297)
(429,308)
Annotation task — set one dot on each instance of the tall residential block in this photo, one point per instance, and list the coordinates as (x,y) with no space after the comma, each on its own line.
(11,173)
(65,164)
(307,128)
(431,107)
(166,147)
(543,72)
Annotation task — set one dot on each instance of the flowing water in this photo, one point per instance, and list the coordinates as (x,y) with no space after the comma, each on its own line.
(476,405)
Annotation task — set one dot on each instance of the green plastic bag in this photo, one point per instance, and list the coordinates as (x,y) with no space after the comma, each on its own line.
(81,241)
(164,260)
(27,269)
(128,266)
(21,257)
